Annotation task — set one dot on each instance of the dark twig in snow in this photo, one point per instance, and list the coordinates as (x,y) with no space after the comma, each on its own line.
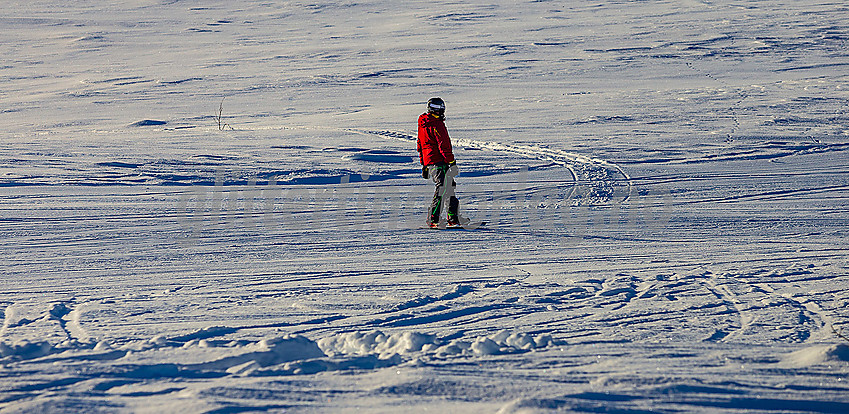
(221,124)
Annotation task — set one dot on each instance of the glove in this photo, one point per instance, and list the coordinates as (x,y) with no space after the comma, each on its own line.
(425,172)
(453,170)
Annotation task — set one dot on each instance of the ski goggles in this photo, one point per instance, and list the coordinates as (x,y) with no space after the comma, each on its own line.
(435,107)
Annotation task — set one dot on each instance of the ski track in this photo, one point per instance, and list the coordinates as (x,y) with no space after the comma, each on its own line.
(583,169)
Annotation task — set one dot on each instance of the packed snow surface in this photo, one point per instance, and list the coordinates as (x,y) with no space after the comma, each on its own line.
(217,207)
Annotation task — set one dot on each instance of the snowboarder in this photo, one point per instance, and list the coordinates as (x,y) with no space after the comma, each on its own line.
(437,159)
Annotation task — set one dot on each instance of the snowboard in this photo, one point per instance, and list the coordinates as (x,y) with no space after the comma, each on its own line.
(471,225)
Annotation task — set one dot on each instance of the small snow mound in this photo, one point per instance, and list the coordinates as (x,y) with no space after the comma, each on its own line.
(501,343)
(458,291)
(486,346)
(265,353)
(244,369)
(158,340)
(25,350)
(376,342)
(288,348)
(413,343)
(815,355)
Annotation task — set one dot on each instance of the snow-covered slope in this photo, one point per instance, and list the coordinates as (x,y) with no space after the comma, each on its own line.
(216,207)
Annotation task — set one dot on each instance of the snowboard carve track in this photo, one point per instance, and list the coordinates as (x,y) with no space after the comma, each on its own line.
(583,169)
(74,326)
(458,292)
(710,282)
(733,302)
(825,320)
(794,317)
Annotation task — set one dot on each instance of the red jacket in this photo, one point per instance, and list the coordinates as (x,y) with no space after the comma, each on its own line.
(434,145)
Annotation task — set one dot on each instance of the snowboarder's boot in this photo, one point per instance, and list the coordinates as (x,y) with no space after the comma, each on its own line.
(453,220)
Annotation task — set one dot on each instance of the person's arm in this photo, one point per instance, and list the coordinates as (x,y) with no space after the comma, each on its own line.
(444,142)
(422,132)
(425,172)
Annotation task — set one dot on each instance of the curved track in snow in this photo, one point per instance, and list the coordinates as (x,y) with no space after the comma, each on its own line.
(584,170)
